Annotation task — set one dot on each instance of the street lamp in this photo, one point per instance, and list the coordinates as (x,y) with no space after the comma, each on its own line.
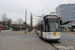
(25,19)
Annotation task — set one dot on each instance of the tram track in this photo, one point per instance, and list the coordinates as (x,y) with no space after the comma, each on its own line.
(64,47)
(54,44)
(51,43)
(72,40)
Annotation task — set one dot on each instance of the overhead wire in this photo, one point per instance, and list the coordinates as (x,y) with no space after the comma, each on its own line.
(68,1)
(45,6)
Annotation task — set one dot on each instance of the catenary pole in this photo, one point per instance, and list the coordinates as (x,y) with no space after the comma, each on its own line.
(25,19)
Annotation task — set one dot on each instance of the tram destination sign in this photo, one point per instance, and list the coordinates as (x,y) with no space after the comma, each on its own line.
(50,17)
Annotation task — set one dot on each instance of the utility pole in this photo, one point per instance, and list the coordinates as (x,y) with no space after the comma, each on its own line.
(30,22)
(4,15)
(25,19)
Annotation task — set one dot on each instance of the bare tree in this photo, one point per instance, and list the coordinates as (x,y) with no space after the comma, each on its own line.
(14,24)
(9,22)
(4,19)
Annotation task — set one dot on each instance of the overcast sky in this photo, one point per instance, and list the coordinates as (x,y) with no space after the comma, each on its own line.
(15,9)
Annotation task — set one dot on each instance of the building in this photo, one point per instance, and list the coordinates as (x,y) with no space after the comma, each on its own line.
(66,11)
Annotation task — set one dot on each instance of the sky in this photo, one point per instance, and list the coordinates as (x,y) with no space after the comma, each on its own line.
(15,9)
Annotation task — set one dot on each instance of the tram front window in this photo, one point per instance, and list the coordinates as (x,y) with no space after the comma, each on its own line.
(52,24)
(54,27)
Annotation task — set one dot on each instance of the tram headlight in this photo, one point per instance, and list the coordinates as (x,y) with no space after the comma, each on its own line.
(47,33)
(59,34)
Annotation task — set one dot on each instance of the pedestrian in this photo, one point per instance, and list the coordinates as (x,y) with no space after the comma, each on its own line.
(0,29)
(25,29)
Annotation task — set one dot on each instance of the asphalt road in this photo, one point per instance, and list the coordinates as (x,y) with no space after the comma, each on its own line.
(18,40)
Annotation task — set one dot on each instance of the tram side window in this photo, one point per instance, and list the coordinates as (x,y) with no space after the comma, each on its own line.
(46,28)
(39,27)
(43,26)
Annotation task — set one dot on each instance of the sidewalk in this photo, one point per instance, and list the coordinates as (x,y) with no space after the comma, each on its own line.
(18,40)
(6,30)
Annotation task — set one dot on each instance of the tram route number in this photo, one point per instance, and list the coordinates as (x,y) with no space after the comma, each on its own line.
(55,34)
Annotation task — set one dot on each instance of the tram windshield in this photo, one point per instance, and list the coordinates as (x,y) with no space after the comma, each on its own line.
(52,25)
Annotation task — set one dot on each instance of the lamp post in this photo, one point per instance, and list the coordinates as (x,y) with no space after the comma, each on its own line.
(31,21)
(25,19)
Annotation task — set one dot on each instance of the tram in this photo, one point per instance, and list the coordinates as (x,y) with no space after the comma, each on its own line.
(48,27)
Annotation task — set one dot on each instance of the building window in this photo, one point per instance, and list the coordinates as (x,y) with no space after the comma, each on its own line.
(61,9)
(74,14)
(74,6)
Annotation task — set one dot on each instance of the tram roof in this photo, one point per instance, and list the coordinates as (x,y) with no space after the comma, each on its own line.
(49,14)
(41,17)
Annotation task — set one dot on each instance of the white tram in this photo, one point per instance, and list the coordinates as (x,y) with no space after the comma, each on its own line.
(48,27)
